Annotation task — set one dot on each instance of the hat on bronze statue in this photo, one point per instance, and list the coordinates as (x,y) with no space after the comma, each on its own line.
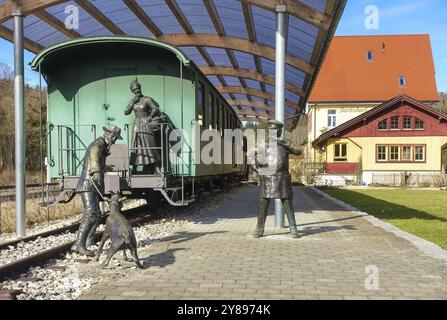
(275,124)
(135,84)
(113,130)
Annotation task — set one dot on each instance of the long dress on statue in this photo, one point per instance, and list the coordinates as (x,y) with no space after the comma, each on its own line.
(146,131)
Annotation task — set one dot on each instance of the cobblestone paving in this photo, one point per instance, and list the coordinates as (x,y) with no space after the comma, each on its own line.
(216,257)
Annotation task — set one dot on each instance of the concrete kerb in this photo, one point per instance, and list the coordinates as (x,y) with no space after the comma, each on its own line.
(423,245)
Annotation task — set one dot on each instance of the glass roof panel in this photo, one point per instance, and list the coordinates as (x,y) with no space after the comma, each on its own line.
(197,16)
(162,16)
(232,17)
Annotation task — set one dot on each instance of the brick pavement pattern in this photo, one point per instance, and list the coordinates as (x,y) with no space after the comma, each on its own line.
(216,257)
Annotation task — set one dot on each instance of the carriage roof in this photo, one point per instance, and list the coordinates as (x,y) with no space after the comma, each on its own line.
(67,45)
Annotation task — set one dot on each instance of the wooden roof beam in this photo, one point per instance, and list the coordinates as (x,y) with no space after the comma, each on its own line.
(252,75)
(251,31)
(297,9)
(252,119)
(218,25)
(212,11)
(251,104)
(29,45)
(144,18)
(270,111)
(100,17)
(233,43)
(254,113)
(181,18)
(26,6)
(256,93)
(56,24)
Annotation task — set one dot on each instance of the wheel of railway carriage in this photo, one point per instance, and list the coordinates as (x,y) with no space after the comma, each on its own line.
(210,185)
(153,200)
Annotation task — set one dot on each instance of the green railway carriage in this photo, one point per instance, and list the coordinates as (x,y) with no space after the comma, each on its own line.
(88,87)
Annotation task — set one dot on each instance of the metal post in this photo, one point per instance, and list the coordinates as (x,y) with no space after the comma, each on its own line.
(281,38)
(19,107)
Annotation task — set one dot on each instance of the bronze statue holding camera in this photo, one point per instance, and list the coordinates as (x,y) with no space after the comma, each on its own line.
(275,178)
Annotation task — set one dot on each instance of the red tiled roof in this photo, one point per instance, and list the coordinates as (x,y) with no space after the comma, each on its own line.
(347,75)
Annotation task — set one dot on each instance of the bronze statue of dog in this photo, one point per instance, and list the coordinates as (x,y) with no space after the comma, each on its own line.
(120,232)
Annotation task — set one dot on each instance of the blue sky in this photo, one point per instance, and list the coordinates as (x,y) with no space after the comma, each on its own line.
(395,17)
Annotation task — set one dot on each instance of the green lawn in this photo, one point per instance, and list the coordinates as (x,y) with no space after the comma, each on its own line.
(419,212)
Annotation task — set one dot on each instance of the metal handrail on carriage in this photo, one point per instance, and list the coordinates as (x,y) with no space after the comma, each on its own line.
(166,165)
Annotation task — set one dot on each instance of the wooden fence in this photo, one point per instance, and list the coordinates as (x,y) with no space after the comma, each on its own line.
(403,179)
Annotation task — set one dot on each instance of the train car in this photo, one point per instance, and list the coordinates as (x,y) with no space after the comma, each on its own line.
(88,87)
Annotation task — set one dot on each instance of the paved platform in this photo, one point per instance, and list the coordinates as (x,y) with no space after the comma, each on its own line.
(340,256)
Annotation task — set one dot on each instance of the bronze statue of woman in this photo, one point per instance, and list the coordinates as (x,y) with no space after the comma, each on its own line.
(146,130)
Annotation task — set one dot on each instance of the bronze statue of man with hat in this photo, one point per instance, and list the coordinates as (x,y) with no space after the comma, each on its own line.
(272,164)
(91,187)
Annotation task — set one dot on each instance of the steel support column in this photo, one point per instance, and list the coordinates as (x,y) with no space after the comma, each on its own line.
(280,80)
(19,111)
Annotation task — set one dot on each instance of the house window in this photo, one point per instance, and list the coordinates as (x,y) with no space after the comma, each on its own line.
(341,152)
(369,55)
(419,153)
(394,122)
(381,153)
(419,124)
(200,103)
(407,154)
(332,118)
(400,154)
(402,81)
(383,125)
(407,122)
(394,153)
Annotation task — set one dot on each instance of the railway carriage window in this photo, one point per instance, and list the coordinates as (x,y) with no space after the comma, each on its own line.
(200,104)
(211,111)
(218,116)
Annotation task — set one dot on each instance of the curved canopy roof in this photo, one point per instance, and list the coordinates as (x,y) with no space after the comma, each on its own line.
(232,41)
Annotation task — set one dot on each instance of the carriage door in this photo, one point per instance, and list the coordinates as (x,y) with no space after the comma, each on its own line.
(90,114)
(117,96)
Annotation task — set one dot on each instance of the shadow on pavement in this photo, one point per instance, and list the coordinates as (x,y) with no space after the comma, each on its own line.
(179,237)
(161,259)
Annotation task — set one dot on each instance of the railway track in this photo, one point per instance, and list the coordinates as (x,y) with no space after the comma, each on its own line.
(13,269)
(30,185)
(33,191)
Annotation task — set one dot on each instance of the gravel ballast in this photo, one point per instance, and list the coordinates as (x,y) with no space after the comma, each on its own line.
(71,275)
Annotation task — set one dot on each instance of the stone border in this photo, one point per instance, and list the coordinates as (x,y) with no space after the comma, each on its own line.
(423,245)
